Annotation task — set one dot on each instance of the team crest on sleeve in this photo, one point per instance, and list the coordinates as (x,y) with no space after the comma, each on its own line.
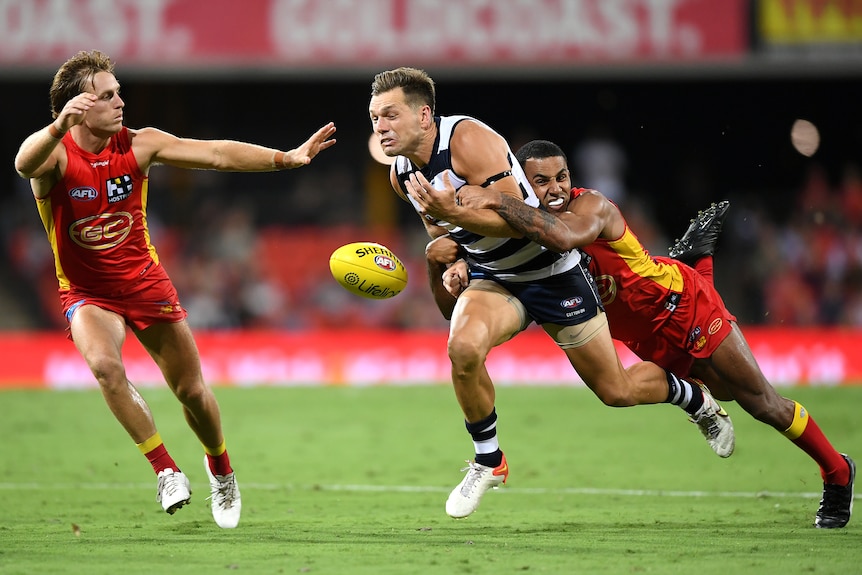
(119,188)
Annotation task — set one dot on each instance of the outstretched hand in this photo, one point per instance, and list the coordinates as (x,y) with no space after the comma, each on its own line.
(318,142)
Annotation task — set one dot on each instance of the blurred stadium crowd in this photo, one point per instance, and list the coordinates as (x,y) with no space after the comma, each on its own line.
(251,251)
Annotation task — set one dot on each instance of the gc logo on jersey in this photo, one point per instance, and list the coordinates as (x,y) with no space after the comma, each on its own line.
(119,188)
(101,231)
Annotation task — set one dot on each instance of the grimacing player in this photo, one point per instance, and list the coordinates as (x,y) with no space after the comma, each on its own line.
(698,338)
(517,281)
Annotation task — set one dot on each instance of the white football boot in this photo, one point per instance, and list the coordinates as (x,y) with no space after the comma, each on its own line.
(173,491)
(224,494)
(465,498)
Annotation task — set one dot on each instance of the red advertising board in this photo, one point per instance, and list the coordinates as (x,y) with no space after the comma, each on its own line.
(185,34)
(787,357)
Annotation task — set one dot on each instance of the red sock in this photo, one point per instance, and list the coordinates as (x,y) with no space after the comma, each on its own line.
(833,468)
(160,459)
(704,267)
(219,464)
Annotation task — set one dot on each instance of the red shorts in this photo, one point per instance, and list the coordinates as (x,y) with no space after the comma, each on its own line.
(695,329)
(151,300)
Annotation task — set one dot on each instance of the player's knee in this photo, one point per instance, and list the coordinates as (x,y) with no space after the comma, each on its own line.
(191,392)
(465,353)
(109,372)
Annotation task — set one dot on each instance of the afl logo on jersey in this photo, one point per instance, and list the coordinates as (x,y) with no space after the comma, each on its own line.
(102,231)
(84,194)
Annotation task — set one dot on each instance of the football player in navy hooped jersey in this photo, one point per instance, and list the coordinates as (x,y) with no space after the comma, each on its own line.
(515,281)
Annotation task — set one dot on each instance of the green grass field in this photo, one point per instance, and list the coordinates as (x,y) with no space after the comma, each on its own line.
(353,481)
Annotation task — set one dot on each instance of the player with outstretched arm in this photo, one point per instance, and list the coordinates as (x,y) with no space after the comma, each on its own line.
(89,175)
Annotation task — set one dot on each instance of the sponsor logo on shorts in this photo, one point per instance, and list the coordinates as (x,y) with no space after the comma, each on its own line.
(572,302)
(698,345)
(714,326)
(83,194)
(102,231)
(695,333)
(671,303)
(385,263)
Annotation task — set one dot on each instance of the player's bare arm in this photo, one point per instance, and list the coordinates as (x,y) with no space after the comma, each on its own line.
(577,227)
(439,254)
(41,156)
(154,146)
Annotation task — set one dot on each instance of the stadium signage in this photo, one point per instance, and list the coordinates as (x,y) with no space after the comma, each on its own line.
(370,33)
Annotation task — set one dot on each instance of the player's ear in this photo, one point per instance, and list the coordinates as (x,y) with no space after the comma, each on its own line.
(426,118)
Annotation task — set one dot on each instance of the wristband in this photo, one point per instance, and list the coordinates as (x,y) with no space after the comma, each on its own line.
(55,133)
(278,161)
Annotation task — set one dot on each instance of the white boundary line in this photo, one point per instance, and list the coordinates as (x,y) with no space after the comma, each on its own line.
(431,489)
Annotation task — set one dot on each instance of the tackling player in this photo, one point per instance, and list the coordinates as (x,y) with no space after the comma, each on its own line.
(665,311)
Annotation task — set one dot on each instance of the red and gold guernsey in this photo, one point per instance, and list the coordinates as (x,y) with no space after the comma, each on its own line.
(96,220)
(653,288)
(663,310)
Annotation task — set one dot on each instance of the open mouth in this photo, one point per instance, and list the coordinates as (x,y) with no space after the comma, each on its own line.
(556,203)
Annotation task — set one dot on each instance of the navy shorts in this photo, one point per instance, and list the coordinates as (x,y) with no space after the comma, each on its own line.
(568,298)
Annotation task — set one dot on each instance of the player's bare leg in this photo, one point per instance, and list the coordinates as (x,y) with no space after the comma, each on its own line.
(99,335)
(733,370)
(485,316)
(173,348)
(591,352)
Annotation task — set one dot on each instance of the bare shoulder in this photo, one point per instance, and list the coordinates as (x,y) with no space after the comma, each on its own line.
(478,152)
(594,203)
(148,142)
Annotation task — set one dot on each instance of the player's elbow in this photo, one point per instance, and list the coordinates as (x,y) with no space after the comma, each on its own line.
(23,169)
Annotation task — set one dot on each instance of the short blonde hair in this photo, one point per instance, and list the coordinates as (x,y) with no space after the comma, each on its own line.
(75,76)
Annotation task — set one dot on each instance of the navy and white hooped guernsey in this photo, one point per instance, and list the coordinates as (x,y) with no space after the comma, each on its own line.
(509,259)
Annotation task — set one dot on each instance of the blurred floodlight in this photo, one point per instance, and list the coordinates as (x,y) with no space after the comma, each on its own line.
(805,137)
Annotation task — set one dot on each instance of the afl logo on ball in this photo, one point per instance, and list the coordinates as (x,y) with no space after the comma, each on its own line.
(385,263)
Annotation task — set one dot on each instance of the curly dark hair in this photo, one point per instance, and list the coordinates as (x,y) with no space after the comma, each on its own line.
(75,76)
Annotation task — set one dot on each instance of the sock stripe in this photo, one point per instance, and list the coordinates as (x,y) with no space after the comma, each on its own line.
(800,422)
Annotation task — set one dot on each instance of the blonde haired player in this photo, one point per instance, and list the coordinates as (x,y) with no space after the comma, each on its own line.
(89,175)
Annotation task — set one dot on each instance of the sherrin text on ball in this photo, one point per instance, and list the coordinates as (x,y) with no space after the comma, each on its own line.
(368,269)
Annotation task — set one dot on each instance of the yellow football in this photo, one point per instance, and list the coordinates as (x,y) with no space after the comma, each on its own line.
(368,269)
